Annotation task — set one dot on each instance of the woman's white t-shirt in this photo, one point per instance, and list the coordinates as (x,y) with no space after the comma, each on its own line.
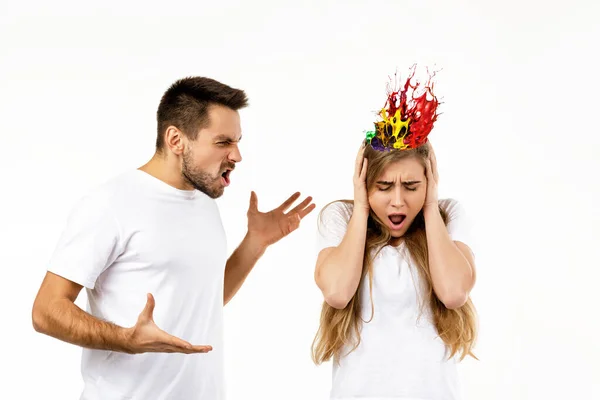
(400,355)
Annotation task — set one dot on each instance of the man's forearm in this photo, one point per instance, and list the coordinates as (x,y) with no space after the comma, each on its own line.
(62,319)
(240,264)
(450,270)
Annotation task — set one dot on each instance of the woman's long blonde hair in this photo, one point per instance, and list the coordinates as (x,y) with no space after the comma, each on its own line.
(338,328)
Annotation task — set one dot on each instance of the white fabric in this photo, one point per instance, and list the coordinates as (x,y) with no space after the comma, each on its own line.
(135,235)
(400,355)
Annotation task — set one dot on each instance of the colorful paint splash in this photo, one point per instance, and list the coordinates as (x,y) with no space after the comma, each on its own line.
(406,122)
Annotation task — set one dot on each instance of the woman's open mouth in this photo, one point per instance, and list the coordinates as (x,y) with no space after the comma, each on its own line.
(397,221)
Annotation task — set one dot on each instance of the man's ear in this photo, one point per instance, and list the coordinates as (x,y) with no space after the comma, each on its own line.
(174,140)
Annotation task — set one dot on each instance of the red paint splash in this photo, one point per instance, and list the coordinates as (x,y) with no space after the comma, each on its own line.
(419,109)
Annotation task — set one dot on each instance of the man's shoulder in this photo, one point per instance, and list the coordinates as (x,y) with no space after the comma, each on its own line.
(109,192)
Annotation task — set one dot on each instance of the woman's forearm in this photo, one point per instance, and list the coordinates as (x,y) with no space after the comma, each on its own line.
(451,272)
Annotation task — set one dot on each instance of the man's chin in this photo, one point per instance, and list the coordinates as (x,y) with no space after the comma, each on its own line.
(219,194)
(214,193)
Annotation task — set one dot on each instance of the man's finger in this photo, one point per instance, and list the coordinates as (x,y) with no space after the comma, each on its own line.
(286,204)
(293,222)
(181,346)
(190,349)
(301,206)
(303,213)
(176,342)
(253,201)
(149,308)
(201,349)
(171,340)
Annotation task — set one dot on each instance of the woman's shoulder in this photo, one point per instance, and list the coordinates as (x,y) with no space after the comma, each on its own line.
(451,206)
(448,202)
(338,209)
(459,222)
(339,206)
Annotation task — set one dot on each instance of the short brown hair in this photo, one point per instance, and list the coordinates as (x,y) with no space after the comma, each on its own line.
(185,105)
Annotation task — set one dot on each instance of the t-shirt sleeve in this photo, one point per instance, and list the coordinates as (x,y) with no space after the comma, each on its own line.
(332,225)
(459,225)
(89,243)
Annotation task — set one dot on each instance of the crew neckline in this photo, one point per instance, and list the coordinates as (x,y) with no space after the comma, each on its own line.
(165,187)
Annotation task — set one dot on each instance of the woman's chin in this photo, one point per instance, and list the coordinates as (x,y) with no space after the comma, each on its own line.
(397,233)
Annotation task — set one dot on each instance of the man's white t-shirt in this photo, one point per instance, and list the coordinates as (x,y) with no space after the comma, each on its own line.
(400,355)
(136,235)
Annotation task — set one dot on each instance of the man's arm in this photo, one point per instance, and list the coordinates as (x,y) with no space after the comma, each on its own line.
(239,265)
(264,229)
(55,314)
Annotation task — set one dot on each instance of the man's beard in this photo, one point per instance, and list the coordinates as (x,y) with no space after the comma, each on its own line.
(200,180)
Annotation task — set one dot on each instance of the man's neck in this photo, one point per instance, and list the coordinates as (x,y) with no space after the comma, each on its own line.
(166,170)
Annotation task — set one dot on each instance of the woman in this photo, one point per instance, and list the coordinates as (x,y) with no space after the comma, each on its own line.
(395,271)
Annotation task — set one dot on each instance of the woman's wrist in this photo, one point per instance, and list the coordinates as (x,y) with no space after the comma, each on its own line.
(431,210)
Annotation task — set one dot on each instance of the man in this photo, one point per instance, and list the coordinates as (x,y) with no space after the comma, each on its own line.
(150,249)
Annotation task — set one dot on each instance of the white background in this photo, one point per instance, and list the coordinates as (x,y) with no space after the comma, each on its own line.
(518,144)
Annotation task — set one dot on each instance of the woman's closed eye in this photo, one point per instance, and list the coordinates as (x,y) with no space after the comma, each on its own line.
(410,186)
(384,186)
